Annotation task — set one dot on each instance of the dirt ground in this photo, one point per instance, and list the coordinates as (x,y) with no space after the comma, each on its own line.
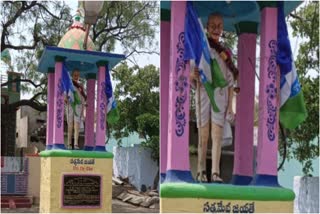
(117,207)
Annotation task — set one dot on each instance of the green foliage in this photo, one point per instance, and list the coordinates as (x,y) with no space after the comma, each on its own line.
(230,39)
(148,126)
(29,26)
(303,142)
(133,24)
(137,94)
(307,28)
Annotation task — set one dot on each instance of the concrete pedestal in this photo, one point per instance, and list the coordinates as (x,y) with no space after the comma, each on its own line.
(76,182)
(220,198)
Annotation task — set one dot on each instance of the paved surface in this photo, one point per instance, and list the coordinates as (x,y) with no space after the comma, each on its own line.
(117,207)
(33,209)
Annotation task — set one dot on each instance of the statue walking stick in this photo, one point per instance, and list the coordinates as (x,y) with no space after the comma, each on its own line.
(199,130)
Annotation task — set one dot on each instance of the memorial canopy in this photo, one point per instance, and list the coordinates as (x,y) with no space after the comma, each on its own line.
(233,12)
(84,61)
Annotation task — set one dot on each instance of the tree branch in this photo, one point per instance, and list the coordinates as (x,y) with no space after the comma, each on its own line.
(142,52)
(32,103)
(132,61)
(24,8)
(51,14)
(5,26)
(19,12)
(118,26)
(20,47)
(297,17)
(21,80)
(36,95)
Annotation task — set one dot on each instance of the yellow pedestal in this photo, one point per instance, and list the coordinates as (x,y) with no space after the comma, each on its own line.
(70,184)
(202,205)
(224,198)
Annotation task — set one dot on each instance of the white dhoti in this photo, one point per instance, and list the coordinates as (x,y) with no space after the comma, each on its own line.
(71,116)
(220,128)
(75,118)
(207,114)
(221,97)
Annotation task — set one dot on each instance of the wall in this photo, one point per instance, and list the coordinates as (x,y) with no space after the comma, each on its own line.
(307,194)
(136,164)
(33,117)
(34,178)
(11,164)
(14,175)
(294,168)
(8,133)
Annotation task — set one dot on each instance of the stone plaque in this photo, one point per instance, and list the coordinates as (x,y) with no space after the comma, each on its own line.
(81,191)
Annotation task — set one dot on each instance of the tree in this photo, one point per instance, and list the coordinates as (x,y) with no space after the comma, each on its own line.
(28,26)
(303,142)
(137,94)
(132,24)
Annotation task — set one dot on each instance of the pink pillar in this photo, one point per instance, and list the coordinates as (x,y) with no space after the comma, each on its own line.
(267,153)
(50,107)
(101,108)
(89,128)
(243,148)
(164,95)
(58,109)
(178,125)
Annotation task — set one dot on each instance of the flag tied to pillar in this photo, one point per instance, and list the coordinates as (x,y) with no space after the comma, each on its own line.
(112,111)
(197,48)
(68,89)
(292,106)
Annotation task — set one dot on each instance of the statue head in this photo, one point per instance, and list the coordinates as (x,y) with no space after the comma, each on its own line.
(75,74)
(215,26)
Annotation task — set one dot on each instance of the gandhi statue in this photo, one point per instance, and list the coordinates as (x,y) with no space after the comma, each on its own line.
(75,116)
(204,110)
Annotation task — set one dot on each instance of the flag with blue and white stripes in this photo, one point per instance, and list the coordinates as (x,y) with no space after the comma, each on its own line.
(112,111)
(68,89)
(197,48)
(292,106)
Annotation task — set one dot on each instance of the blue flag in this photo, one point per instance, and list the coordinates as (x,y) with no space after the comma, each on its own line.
(292,106)
(112,111)
(68,89)
(67,84)
(197,48)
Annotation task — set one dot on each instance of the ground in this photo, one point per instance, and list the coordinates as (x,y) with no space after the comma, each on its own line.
(117,207)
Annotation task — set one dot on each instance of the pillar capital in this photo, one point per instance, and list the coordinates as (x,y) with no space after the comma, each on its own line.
(91,76)
(59,58)
(50,70)
(165,15)
(263,4)
(102,63)
(246,27)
